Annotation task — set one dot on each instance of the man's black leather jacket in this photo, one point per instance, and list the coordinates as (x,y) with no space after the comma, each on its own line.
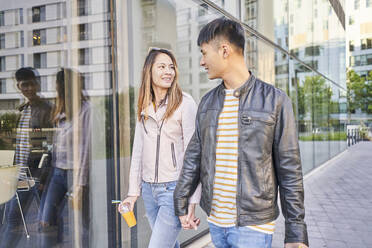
(268,158)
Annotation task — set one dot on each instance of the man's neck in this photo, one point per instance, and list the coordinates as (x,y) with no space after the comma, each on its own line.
(236,76)
(34,99)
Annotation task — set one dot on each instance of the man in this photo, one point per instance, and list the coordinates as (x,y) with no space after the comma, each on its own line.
(35,114)
(243,150)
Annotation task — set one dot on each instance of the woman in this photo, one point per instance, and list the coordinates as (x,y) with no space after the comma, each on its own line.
(71,159)
(166,118)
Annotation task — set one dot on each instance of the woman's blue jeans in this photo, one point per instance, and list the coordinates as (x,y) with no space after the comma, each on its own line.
(165,225)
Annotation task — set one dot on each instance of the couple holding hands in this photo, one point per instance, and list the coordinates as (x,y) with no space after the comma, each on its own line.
(231,154)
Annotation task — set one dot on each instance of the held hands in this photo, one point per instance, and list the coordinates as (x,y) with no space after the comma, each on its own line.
(295,245)
(129,201)
(189,221)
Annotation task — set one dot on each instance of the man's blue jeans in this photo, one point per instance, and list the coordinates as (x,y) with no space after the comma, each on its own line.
(165,225)
(238,237)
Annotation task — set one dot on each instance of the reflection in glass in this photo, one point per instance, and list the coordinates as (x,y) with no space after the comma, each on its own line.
(69,181)
(31,148)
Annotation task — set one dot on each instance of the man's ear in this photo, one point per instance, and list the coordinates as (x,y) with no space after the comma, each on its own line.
(226,50)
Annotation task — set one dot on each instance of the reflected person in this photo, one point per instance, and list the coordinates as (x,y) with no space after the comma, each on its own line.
(71,159)
(165,124)
(35,114)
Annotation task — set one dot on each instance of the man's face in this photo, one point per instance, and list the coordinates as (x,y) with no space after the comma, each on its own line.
(28,88)
(212,59)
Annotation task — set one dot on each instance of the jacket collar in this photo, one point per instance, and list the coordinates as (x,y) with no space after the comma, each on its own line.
(158,114)
(35,102)
(242,89)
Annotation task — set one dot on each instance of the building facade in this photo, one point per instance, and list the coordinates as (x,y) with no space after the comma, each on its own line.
(296,45)
(359,47)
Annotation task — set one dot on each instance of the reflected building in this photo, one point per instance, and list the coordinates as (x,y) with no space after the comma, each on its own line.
(359,36)
(48,35)
(359,45)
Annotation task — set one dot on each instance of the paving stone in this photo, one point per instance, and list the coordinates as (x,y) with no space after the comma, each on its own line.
(338,202)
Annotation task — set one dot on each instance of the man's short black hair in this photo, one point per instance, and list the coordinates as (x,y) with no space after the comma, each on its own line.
(223,27)
(27,74)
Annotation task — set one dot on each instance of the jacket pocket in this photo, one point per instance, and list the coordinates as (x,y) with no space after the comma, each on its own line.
(247,119)
(174,156)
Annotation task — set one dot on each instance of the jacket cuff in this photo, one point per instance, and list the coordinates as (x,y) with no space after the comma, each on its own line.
(296,233)
(180,206)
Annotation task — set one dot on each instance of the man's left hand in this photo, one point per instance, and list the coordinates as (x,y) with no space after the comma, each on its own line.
(189,221)
(295,245)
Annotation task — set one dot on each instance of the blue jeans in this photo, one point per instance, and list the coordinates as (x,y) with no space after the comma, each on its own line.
(165,225)
(53,212)
(238,237)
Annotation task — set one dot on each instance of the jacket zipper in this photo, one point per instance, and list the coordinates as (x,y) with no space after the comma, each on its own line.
(157,152)
(174,156)
(215,155)
(238,186)
(157,147)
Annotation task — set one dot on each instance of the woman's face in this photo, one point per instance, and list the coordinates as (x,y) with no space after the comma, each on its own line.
(163,72)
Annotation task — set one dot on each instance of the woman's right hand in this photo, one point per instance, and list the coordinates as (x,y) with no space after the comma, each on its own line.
(129,201)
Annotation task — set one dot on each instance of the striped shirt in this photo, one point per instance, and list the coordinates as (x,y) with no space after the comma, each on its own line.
(23,145)
(223,212)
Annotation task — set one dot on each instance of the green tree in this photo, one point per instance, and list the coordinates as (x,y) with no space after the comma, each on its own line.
(316,91)
(359,92)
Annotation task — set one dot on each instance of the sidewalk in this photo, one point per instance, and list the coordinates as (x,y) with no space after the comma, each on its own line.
(338,202)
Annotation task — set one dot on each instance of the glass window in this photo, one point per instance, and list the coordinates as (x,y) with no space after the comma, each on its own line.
(2,23)
(351,20)
(363,43)
(356,4)
(363,60)
(43,83)
(39,37)
(2,86)
(357,61)
(83,31)
(2,63)
(38,14)
(312,51)
(87,81)
(369,43)
(351,45)
(22,39)
(369,59)
(84,56)
(82,7)
(203,9)
(2,41)
(368,3)
(352,60)
(40,60)
(21,16)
